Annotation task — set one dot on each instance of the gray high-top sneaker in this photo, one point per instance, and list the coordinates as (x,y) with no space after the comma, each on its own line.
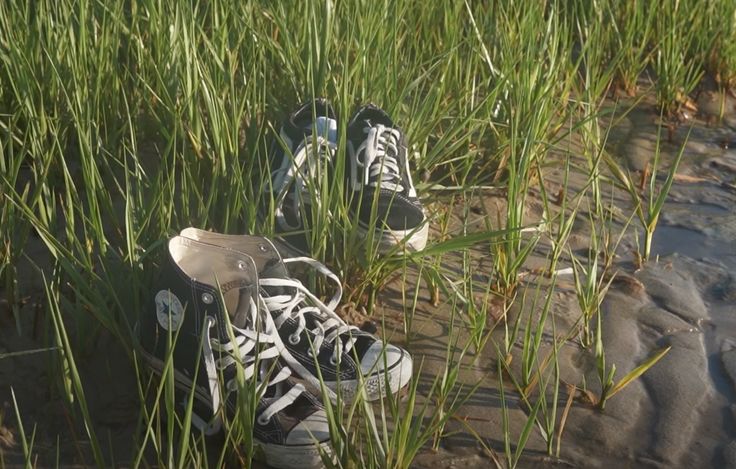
(313,335)
(290,425)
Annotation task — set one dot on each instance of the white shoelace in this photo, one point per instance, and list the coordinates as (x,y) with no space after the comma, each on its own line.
(292,172)
(299,301)
(379,164)
(246,341)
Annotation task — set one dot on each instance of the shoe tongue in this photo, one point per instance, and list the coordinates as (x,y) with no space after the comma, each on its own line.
(278,270)
(325,127)
(238,303)
(374,116)
(275,269)
(313,319)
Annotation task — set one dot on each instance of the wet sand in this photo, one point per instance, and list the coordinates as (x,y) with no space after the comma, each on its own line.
(682,412)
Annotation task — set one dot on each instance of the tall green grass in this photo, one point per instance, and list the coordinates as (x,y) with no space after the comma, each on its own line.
(678,60)
(123,121)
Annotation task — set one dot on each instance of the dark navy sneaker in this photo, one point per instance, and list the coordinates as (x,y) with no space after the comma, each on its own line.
(313,335)
(384,199)
(300,160)
(208,299)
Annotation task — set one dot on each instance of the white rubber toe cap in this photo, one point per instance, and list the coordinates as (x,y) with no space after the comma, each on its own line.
(374,362)
(381,357)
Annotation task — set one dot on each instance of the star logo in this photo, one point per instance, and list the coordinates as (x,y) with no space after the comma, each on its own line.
(169,310)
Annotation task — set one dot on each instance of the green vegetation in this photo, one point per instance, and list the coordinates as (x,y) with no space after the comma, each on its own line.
(123,121)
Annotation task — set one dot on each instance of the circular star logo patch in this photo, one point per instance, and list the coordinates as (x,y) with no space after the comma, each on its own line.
(169,310)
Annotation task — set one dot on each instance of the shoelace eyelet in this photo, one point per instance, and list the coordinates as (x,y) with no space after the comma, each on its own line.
(294,339)
(207,298)
(262,421)
(241,265)
(334,360)
(310,354)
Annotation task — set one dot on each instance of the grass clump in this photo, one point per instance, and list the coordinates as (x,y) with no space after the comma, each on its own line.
(678,61)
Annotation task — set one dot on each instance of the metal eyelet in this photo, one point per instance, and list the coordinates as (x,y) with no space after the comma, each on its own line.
(333,360)
(241,265)
(294,339)
(262,421)
(262,247)
(208,298)
(310,354)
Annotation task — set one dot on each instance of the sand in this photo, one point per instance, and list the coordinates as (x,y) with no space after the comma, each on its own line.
(682,412)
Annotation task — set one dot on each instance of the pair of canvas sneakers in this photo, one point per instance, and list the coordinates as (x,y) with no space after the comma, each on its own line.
(228,299)
(379,191)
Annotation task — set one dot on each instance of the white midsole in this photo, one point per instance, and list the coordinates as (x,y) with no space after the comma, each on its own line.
(388,240)
(375,384)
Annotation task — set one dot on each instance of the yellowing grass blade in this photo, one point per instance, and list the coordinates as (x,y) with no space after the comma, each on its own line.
(638,371)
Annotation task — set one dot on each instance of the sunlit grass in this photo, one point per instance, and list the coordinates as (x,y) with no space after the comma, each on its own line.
(122,122)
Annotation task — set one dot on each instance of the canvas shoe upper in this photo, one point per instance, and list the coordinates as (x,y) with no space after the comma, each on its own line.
(314,336)
(378,176)
(303,153)
(208,299)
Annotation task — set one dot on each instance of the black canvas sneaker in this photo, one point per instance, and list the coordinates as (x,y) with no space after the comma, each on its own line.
(216,327)
(303,153)
(313,335)
(377,173)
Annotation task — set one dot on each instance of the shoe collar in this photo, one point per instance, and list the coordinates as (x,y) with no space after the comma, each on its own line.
(223,280)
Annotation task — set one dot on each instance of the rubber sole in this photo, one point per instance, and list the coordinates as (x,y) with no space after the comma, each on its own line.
(277,456)
(375,385)
(387,240)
